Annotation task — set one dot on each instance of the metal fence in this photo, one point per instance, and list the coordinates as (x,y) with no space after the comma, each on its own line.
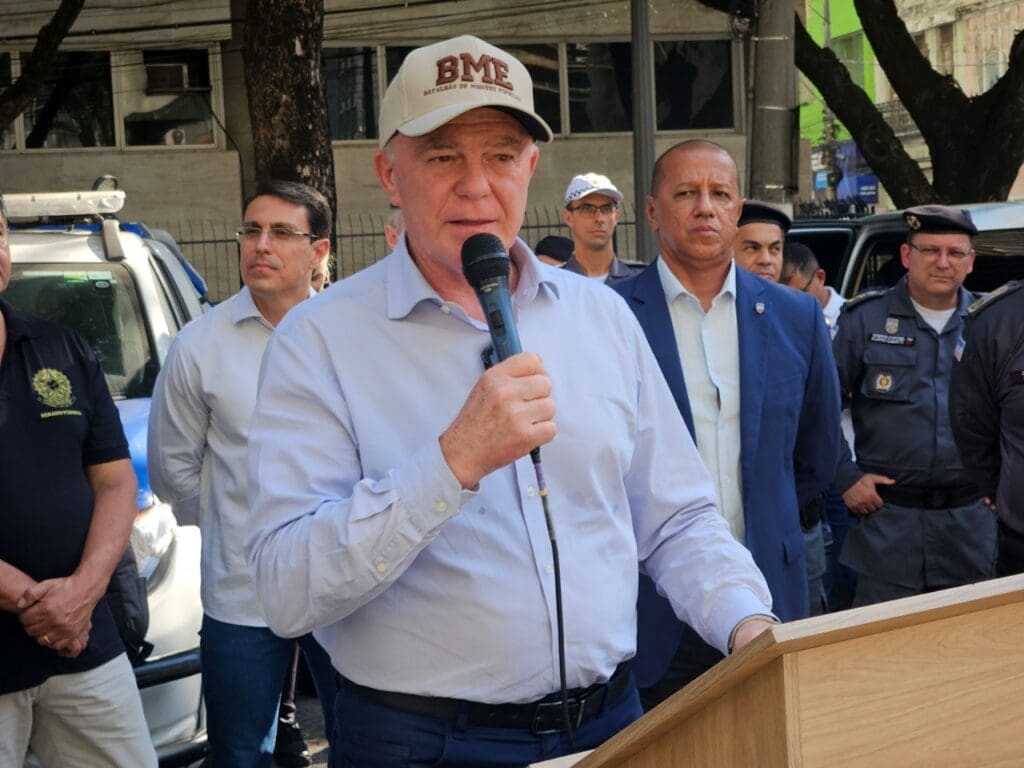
(210,245)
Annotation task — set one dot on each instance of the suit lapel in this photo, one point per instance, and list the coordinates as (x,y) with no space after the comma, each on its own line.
(651,309)
(753,323)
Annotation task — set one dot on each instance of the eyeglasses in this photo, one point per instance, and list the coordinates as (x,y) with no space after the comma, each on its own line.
(591,210)
(808,284)
(933,252)
(277,234)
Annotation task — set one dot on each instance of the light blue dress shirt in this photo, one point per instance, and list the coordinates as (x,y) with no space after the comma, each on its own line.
(709,350)
(360,528)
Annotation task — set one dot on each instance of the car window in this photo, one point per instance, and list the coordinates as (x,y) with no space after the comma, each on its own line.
(999,257)
(829,245)
(100,303)
(881,266)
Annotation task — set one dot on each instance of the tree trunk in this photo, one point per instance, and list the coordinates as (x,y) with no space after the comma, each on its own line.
(287,102)
(36,67)
(976,144)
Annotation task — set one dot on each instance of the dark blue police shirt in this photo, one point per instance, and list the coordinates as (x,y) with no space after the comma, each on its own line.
(56,419)
(895,370)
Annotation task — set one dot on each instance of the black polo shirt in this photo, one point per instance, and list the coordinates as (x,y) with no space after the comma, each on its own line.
(56,419)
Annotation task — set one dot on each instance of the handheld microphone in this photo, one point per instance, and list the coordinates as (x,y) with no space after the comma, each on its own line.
(486,265)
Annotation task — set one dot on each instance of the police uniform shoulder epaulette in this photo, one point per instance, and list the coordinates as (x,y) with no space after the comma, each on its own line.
(992,297)
(862,298)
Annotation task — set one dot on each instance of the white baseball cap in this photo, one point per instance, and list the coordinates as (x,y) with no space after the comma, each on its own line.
(591,184)
(439,82)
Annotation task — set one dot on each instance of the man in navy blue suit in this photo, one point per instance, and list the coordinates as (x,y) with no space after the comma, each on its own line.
(750,366)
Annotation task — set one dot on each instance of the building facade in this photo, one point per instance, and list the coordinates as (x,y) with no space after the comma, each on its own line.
(153,93)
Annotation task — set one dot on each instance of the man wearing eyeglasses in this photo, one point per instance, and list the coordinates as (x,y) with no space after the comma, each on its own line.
(198,447)
(591,213)
(923,524)
(802,271)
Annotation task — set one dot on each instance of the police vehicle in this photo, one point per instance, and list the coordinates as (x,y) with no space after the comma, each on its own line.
(127,290)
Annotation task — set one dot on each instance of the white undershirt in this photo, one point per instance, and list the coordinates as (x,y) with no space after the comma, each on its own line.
(936,318)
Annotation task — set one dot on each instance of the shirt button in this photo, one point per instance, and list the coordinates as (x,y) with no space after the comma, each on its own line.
(381,567)
(446,309)
(549,569)
(441,506)
(531,491)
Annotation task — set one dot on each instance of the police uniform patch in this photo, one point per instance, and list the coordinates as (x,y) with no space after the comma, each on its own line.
(899,341)
(883,383)
(53,388)
(892,325)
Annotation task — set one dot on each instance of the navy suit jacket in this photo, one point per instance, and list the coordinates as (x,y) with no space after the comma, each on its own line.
(789,425)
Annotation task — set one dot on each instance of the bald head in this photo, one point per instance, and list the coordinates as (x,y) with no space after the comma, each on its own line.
(685,147)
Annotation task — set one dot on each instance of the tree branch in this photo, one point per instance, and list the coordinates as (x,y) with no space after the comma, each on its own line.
(39,63)
(883,151)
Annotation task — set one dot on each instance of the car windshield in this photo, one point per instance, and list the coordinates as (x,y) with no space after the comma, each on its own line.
(100,303)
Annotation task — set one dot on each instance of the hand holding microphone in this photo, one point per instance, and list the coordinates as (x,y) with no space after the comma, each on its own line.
(509,411)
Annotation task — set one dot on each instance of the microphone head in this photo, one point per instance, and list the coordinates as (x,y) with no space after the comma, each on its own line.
(484,259)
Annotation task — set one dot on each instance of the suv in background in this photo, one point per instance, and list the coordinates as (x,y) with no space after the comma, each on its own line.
(863,254)
(127,291)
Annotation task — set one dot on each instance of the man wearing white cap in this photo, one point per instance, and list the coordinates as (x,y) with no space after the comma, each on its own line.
(391,481)
(591,213)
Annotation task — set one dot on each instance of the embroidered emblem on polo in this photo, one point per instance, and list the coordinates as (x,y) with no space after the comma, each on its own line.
(883,383)
(892,325)
(53,388)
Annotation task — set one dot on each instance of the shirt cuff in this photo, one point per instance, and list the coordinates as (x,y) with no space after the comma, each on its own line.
(428,488)
(731,609)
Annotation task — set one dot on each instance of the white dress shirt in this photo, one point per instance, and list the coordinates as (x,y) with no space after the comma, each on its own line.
(198,444)
(832,309)
(360,527)
(709,350)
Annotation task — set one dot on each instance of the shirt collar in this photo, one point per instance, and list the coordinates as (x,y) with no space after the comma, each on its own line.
(244,308)
(407,288)
(19,324)
(900,304)
(673,288)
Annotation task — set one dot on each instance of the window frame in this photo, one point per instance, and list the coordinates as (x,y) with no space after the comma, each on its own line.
(118,62)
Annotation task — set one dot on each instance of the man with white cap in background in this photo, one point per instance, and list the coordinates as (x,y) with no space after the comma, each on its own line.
(591,213)
(392,483)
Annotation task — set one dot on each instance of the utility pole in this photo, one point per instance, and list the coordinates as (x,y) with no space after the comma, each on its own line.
(829,155)
(643,125)
(772,131)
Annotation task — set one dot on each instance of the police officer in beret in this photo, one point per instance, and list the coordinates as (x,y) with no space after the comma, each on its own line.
(986,405)
(922,522)
(759,239)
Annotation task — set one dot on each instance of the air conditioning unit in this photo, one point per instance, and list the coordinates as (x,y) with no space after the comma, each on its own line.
(175,136)
(166,77)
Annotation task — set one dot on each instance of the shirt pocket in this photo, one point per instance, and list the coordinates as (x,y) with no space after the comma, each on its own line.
(888,373)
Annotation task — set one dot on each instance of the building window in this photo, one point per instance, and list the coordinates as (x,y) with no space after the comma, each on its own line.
(7,135)
(600,87)
(350,79)
(946,53)
(166,98)
(693,84)
(849,49)
(74,108)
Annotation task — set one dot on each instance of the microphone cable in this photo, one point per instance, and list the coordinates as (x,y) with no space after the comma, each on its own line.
(487,356)
(542,490)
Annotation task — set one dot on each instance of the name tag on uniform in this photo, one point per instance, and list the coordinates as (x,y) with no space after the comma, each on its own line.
(899,341)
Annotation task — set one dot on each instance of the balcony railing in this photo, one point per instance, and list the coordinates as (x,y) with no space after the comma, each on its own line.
(896,115)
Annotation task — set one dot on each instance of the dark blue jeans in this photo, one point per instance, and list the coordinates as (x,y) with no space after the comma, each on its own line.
(371,735)
(242,672)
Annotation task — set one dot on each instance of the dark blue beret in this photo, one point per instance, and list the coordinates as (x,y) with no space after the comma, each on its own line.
(756,211)
(939,218)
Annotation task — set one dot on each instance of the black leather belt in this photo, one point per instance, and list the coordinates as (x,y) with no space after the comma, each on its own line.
(539,717)
(937,497)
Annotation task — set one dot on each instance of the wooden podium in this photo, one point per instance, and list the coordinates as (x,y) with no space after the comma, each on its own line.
(932,680)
